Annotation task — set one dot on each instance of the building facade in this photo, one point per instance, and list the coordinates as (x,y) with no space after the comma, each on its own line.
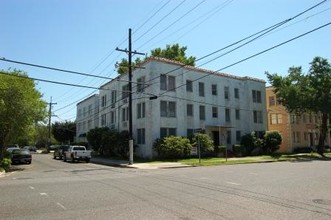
(87,116)
(169,98)
(297,131)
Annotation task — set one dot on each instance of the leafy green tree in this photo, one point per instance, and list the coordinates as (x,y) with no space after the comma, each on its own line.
(310,92)
(21,106)
(95,138)
(206,143)
(64,132)
(172,52)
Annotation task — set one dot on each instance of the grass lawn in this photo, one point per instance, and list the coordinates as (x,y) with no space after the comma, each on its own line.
(257,159)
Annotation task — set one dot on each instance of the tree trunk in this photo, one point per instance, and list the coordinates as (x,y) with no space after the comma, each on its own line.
(323,132)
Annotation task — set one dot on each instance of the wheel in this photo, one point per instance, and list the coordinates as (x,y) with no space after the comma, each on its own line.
(65,158)
(72,159)
(54,157)
(87,160)
(60,157)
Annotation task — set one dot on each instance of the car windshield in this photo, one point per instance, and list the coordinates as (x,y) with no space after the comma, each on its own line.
(79,148)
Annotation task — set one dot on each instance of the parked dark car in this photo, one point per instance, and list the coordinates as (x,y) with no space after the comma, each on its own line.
(21,156)
(59,152)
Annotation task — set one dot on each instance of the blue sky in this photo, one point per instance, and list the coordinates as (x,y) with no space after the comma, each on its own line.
(81,35)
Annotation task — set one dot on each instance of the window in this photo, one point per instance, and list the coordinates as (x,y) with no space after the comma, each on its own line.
(256,96)
(226,92)
(89,124)
(257,115)
(272,100)
(168,109)
(238,136)
(236,93)
(125,114)
(167,82)
(276,119)
(202,112)
(79,113)
(103,120)
(227,115)
(237,114)
(228,137)
(90,110)
(113,98)
(189,86)
(141,110)
(201,89)
(215,112)
(103,100)
(189,109)
(190,132)
(304,118)
(113,117)
(84,111)
(164,132)
(214,89)
(125,91)
(141,136)
(141,84)
(296,137)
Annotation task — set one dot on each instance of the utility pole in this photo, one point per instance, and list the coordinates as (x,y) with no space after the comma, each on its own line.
(49,120)
(130,52)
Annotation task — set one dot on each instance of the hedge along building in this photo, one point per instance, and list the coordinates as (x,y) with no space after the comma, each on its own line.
(169,98)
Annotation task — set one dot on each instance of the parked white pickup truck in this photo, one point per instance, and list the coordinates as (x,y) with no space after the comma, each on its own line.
(77,153)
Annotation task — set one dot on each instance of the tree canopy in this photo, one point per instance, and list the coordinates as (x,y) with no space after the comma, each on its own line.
(21,106)
(310,92)
(64,132)
(172,52)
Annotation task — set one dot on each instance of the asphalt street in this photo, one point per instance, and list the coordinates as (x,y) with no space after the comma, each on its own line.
(53,189)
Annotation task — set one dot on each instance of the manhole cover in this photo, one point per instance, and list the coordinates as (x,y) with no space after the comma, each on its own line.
(322,201)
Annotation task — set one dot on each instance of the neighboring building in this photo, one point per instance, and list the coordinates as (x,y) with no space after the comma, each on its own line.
(188,98)
(87,117)
(296,130)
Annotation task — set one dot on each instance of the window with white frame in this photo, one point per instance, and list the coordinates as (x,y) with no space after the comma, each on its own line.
(167,82)
(214,89)
(103,101)
(125,91)
(189,110)
(237,114)
(141,84)
(226,92)
(227,115)
(168,109)
(236,93)
(141,110)
(103,120)
(228,137)
(238,136)
(202,112)
(189,86)
(256,94)
(201,89)
(113,117)
(90,111)
(257,115)
(141,136)
(113,98)
(215,112)
(165,132)
(276,118)
(125,114)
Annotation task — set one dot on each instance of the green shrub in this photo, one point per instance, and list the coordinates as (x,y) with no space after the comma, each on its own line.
(5,164)
(239,150)
(173,147)
(272,142)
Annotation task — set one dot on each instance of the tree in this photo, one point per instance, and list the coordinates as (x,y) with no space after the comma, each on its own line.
(206,143)
(21,106)
(171,52)
(173,147)
(64,132)
(310,92)
(272,141)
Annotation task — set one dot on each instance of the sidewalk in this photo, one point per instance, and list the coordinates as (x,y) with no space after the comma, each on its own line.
(125,164)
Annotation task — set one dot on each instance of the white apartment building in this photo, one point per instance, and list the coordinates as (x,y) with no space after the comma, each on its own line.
(184,99)
(87,116)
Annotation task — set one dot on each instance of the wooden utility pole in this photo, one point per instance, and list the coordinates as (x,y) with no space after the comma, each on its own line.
(49,121)
(130,52)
